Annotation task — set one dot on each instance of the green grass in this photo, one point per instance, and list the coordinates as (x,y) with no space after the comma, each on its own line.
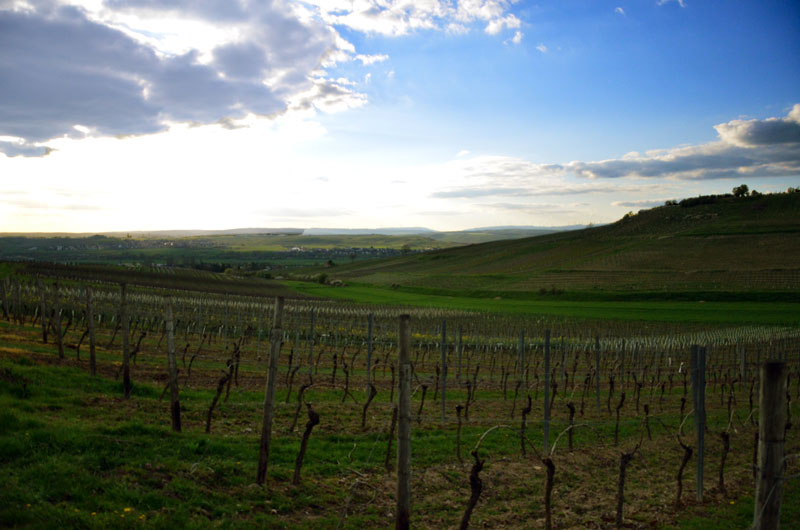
(766,313)
(739,513)
(73,453)
(68,463)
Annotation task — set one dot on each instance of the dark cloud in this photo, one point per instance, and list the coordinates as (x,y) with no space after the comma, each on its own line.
(219,10)
(241,60)
(640,204)
(59,69)
(709,161)
(62,71)
(534,190)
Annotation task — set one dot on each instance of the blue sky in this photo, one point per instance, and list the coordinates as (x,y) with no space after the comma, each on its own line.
(145,114)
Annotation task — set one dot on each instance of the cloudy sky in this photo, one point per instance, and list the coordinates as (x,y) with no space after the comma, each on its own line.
(215,114)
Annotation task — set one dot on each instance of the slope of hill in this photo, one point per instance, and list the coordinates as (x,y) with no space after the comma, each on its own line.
(720,243)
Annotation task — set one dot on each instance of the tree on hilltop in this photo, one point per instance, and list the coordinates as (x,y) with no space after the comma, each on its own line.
(741,191)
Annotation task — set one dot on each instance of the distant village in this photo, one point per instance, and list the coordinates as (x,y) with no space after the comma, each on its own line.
(193,252)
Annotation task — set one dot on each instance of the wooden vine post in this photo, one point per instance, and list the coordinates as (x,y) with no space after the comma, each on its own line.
(18,309)
(172,366)
(698,361)
(459,352)
(444,366)
(597,370)
(403,517)
(311,347)
(521,359)
(4,295)
(771,439)
(126,354)
(275,339)
(57,316)
(42,309)
(90,327)
(370,331)
(546,389)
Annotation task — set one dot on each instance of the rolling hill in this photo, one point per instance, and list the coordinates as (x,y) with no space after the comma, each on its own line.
(703,244)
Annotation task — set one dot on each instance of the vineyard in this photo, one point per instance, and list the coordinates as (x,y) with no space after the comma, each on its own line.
(124,405)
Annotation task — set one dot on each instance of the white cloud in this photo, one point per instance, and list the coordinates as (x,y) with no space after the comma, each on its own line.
(539,208)
(401,17)
(19,147)
(542,48)
(681,3)
(749,133)
(751,148)
(329,96)
(516,39)
(496,25)
(619,11)
(502,176)
(367,60)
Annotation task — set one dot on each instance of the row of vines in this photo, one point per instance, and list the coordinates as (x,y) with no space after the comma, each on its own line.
(536,389)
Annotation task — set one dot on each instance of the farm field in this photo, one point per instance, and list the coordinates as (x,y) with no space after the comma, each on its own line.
(241,251)
(699,311)
(77,453)
(719,246)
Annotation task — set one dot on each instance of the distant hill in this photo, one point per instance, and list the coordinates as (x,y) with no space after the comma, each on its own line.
(719,243)
(411,231)
(195,233)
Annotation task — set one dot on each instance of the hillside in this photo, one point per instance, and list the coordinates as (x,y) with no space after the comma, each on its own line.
(720,243)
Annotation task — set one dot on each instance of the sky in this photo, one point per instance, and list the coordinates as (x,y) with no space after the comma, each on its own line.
(123,115)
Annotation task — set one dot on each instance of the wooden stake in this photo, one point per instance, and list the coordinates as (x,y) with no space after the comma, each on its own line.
(172,366)
(57,311)
(546,389)
(771,439)
(370,330)
(43,309)
(444,367)
(90,327)
(403,517)
(597,370)
(276,339)
(125,330)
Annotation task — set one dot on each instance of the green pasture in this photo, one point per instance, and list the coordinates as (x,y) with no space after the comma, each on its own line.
(712,312)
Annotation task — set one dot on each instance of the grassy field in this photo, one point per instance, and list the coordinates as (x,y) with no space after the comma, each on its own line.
(769,313)
(76,454)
